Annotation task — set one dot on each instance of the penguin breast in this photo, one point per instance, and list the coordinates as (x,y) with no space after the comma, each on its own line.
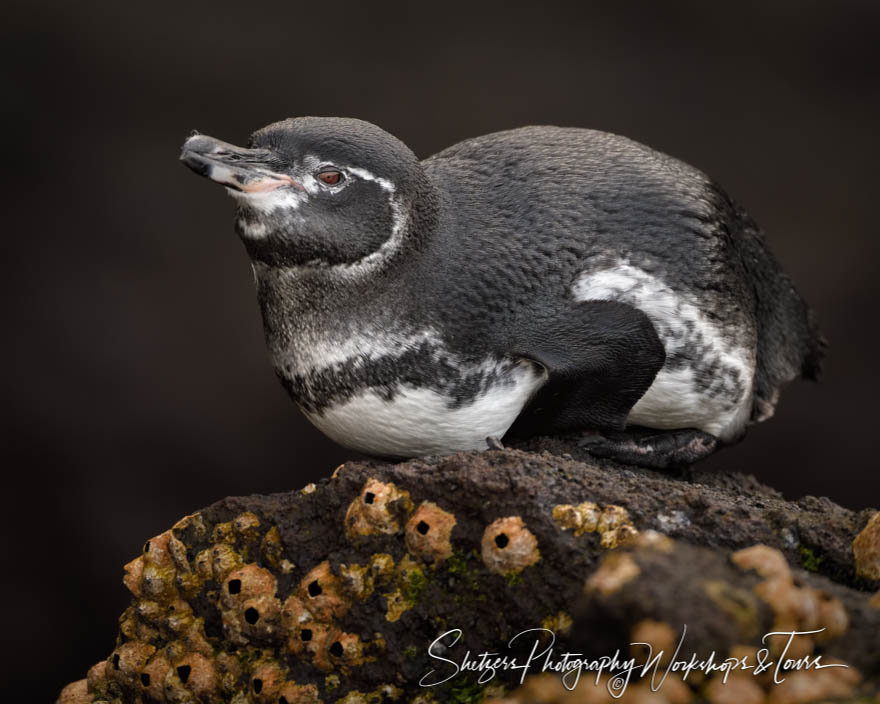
(409,420)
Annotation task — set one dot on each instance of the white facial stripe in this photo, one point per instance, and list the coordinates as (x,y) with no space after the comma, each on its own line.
(315,352)
(270,201)
(365,175)
(372,261)
(311,164)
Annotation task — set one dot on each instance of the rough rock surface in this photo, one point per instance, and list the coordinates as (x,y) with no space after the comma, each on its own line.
(335,592)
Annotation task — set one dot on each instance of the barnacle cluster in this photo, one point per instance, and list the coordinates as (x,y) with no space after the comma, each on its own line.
(611,522)
(165,653)
(220,612)
(794,607)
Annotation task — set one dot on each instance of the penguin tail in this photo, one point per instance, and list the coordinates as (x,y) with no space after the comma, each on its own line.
(789,342)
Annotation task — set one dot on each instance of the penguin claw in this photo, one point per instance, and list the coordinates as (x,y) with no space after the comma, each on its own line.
(493,443)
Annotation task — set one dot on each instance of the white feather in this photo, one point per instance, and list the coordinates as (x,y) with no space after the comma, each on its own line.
(420,421)
(675,400)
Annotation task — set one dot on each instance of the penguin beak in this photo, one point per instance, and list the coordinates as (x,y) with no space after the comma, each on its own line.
(246,170)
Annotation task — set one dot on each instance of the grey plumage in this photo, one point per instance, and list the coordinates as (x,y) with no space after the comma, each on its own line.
(563,278)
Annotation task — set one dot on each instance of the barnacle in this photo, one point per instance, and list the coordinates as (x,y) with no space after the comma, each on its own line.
(321,591)
(97,678)
(249,607)
(653,540)
(266,680)
(194,522)
(659,635)
(126,662)
(158,570)
(428,532)
(615,527)
(866,549)
(357,580)
(832,617)
(313,639)
(615,570)
(292,693)
(508,547)
(204,564)
(766,561)
(177,620)
(224,559)
(583,518)
(271,548)
(345,650)
(192,673)
(737,690)
(298,624)
(247,582)
(223,533)
(378,509)
(816,685)
(319,648)
(75,693)
(246,526)
(152,677)
(134,575)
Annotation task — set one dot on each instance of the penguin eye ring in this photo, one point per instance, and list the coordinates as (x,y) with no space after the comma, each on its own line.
(331,177)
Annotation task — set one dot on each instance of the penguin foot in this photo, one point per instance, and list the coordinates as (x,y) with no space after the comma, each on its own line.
(673,449)
(493,443)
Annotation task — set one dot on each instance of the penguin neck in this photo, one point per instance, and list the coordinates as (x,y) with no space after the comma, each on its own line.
(313,308)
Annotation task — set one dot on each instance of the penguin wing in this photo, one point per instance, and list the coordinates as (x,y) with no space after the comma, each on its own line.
(600,357)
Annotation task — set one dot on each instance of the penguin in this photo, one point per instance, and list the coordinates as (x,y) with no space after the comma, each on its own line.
(540,280)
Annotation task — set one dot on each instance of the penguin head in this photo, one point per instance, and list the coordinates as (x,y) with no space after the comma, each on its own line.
(314,191)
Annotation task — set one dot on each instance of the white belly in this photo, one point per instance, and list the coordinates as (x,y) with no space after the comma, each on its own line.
(421,421)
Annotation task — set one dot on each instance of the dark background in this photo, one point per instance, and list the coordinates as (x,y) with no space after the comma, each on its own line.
(137,388)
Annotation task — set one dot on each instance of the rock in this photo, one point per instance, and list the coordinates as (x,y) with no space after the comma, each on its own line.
(336,592)
(866,550)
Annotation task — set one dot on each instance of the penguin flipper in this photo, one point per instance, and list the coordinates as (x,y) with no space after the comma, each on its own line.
(600,357)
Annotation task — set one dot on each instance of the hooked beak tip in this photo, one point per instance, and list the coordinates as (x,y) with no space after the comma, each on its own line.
(245,170)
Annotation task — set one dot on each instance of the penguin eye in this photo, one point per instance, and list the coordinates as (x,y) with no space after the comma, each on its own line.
(331,178)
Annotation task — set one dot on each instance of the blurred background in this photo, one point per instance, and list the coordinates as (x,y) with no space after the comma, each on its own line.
(137,387)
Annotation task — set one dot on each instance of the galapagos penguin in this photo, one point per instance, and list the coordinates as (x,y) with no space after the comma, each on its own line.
(538,280)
